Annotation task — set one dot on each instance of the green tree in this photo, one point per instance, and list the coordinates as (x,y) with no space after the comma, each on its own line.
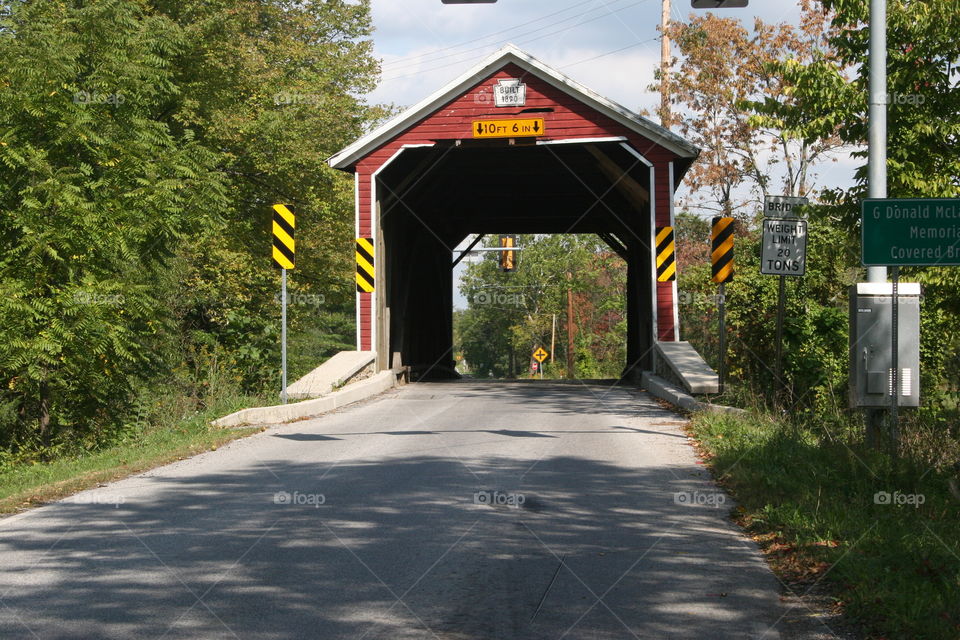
(829,94)
(277,88)
(141,146)
(723,67)
(511,314)
(96,194)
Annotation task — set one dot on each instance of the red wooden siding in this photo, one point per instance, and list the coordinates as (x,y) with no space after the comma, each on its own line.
(570,119)
(366,324)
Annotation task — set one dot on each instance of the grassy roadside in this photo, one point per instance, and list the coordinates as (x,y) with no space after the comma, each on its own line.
(882,535)
(26,485)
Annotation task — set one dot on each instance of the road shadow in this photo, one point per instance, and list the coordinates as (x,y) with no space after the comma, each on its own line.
(465,546)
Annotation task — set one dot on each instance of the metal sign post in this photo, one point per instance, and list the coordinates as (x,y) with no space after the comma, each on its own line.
(283,336)
(721,303)
(284,254)
(895,368)
(781,311)
(877,148)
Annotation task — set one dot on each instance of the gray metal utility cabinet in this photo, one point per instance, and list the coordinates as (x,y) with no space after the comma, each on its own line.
(871,362)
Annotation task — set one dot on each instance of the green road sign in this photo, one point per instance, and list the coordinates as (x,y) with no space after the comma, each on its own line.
(911,231)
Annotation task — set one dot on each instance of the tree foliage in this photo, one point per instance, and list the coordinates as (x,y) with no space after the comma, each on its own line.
(723,68)
(510,314)
(821,98)
(141,144)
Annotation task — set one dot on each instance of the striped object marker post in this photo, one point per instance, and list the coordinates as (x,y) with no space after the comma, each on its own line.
(366,271)
(721,259)
(284,254)
(666,255)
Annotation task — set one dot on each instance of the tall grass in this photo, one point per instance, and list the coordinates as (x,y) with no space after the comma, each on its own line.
(881,531)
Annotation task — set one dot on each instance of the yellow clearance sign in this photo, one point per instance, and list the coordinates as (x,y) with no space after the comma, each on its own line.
(508,128)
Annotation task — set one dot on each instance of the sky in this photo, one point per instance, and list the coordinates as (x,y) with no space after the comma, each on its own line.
(610,46)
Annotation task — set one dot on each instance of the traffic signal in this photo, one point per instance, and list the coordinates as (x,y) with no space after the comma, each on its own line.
(508,258)
(716,4)
(468,1)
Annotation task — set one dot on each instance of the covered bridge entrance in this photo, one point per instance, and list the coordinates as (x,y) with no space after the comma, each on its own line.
(512,146)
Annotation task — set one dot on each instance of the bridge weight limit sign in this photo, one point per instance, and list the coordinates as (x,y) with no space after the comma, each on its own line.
(784,247)
(784,254)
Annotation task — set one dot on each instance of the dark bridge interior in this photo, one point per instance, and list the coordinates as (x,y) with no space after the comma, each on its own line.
(431,198)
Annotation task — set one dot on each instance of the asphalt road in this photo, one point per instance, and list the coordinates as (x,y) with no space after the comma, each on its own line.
(450,510)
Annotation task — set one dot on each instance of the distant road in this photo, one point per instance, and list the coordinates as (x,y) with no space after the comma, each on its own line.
(380,521)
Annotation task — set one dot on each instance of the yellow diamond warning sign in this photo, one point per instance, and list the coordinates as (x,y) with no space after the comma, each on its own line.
(508,128)
(540,354)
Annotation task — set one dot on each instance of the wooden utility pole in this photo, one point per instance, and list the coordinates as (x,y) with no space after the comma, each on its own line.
(665,117)
(571,328)
(553,339)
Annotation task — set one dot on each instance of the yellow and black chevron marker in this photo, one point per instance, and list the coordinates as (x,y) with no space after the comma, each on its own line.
(666,255)
(365,270)
(721,256)
(284,248)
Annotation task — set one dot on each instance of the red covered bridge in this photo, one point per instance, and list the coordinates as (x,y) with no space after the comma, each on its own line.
(512,146)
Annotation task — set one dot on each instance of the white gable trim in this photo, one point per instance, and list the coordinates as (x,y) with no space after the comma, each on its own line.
(345,158)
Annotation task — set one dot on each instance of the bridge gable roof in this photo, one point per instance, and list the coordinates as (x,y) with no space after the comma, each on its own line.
(513,60)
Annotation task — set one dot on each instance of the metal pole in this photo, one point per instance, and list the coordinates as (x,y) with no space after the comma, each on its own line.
(722,374)
(781,304)
(877,142)
(877,117)
(283,335)
(895,361)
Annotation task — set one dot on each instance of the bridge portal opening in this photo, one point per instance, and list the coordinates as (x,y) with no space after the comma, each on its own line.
(559,298)
(432,198)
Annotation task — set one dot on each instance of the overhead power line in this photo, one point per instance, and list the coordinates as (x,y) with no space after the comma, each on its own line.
(435,52)
(487,46)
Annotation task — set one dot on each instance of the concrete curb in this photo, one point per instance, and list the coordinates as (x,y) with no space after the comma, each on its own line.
(330,375)
(657,386)
(278,414)
(687,367)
